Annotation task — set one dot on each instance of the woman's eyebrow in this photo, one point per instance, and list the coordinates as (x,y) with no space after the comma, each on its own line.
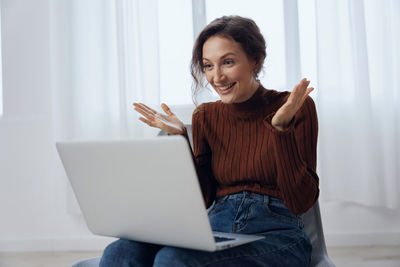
(223,56)
(228,54)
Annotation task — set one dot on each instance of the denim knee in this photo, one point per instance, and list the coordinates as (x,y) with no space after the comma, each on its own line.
(124,253)
(172,256)
(110,253)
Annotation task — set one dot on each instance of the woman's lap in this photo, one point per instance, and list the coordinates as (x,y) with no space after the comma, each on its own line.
(285,244)
(267,252)
(124,253)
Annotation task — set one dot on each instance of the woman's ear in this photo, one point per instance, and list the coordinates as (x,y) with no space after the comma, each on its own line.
(256,68)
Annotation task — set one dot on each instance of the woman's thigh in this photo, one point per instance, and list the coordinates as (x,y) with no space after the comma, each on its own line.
(285,243)
(124,253)
(274,250)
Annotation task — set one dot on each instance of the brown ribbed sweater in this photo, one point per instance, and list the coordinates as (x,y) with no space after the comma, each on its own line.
(236,148)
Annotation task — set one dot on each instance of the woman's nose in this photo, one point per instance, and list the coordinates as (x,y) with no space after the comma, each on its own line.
(218,75)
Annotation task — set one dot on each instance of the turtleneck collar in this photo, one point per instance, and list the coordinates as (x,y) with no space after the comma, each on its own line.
(251,105)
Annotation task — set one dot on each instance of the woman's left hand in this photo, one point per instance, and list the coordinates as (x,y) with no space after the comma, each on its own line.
(285,114)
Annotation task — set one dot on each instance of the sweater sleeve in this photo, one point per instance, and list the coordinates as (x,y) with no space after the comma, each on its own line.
(295,152)
(202,156)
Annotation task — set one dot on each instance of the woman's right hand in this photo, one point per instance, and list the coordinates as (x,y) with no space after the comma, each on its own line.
(168,123)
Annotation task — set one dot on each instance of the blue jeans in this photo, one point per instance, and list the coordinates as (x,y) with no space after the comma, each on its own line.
(285,242)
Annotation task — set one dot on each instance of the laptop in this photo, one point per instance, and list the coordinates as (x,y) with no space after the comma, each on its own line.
(143,189)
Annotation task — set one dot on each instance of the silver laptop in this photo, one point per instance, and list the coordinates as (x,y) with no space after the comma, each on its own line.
(145,190)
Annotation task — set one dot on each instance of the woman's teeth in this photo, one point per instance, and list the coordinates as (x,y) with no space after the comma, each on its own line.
(226,87)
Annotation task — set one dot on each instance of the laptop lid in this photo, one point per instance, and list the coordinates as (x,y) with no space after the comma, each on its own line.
(142,189)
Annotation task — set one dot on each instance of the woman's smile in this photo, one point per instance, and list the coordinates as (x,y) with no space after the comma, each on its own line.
(225,89)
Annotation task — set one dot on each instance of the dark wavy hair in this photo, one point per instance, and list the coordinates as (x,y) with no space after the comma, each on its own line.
(243,30)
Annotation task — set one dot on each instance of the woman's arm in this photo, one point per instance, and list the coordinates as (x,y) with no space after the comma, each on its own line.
(202,156)
(295,151)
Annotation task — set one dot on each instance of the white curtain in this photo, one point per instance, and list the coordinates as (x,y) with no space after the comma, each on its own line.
(105,56)
(358,65)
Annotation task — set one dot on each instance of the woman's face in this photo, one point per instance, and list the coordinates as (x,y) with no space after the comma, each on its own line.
(228,69)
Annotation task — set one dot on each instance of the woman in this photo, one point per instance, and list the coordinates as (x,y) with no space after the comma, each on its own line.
(255,152)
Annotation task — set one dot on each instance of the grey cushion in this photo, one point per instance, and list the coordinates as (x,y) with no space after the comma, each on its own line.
(313,228)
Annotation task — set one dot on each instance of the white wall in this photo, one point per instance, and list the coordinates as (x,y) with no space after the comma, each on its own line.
(35,211)
(350,224)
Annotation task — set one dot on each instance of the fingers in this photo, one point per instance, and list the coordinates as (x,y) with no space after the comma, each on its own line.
(146,121)
(302,88)
(167,110)
(309,90)
(303,85)
(151,117)
(294,102)
(167,127)
(144,109)
(147,113)
(299,93)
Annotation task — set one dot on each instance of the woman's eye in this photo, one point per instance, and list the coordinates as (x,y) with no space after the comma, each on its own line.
(207,66)
(228,62)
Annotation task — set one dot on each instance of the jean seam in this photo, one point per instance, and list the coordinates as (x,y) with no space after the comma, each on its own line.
(217,205)
(262,253)
(243,224)
(237,212)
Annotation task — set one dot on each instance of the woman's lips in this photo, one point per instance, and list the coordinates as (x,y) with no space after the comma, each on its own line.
(223,90)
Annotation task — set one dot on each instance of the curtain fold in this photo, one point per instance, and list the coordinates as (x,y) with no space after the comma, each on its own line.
(358,101)
(104,58)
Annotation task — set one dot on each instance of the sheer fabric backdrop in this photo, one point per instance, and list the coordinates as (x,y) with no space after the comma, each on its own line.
(105,56)
(358,65)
